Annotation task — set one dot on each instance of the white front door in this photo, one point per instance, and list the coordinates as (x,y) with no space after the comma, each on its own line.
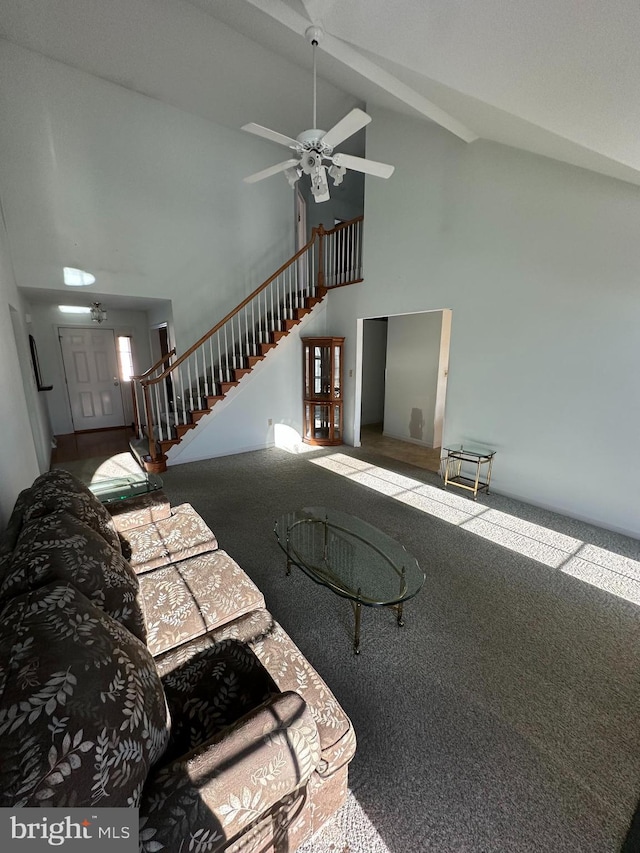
(93,380)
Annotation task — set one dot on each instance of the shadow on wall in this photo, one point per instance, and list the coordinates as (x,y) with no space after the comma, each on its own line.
(416,424)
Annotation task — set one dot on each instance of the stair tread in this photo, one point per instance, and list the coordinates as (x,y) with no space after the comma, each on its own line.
(307,304)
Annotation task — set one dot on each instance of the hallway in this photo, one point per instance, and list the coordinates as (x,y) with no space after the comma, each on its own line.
(372,438)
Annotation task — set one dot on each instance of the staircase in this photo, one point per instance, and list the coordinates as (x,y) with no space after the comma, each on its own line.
(176,393)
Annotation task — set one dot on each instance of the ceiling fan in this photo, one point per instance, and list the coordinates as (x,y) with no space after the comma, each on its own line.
(314,146)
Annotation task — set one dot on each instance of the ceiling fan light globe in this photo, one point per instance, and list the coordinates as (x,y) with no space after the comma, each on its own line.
(310,162)
(292,176)
(337,173)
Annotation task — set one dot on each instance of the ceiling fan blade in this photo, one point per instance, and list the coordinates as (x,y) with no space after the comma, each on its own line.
(272,135)
(359,164)
(272,170)
(346,127)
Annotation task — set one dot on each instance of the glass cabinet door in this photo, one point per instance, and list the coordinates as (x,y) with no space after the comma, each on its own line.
(322,381)
(321,371)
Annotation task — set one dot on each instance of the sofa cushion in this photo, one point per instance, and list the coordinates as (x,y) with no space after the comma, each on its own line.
(290,670)
(58,489)
(186,599)
(83,716)
(184,534)
(60,547)
(210,689)
(139,511)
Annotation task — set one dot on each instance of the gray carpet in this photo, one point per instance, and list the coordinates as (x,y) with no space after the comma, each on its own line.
(505,715)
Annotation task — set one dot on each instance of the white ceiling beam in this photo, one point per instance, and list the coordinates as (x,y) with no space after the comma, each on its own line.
(317,9)
(349,56)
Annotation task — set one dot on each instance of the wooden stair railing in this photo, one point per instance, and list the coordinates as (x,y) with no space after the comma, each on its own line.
(214,365)
(136,386)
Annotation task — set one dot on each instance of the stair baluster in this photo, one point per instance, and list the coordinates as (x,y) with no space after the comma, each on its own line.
(196,380)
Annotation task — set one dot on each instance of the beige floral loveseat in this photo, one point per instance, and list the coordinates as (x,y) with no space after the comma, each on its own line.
(139,667)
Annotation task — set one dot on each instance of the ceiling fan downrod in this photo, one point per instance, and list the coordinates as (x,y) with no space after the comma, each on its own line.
(314,35)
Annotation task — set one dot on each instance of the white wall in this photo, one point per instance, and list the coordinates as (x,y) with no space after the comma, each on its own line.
(271,392)
(540,263)
(47,319)
(374,359)
(147,197)
(413,358)
(346,202)
(19,464)
(36,399)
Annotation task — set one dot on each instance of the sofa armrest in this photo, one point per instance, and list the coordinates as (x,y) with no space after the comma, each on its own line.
(225,786)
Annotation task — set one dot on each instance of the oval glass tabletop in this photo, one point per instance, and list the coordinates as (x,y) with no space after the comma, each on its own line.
(351,557)
(115,489)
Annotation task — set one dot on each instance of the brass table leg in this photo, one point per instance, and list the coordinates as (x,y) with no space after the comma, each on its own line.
(356,638)
(402,590)
(489,473)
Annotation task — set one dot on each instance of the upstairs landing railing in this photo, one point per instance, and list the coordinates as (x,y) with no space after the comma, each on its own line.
(168,401)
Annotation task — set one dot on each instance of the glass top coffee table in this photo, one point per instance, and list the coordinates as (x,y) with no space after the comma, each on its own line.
(114,489)
(350,557)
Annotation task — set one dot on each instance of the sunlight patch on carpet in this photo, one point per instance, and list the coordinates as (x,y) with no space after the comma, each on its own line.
(349,831)
(101,468)
(597,566)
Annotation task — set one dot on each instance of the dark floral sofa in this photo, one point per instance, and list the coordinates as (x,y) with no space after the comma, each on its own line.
(139,667)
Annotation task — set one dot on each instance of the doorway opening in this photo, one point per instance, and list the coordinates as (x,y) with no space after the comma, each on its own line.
(400,396)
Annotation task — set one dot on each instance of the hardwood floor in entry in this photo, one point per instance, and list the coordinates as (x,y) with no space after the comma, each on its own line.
(372,438)
(87,445)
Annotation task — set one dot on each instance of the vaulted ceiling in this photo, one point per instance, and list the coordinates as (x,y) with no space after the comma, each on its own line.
(556,78)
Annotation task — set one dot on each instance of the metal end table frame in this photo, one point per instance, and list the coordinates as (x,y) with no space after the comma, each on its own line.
(453,469)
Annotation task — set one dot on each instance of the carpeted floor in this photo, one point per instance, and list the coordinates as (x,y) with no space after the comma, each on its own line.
(505,716)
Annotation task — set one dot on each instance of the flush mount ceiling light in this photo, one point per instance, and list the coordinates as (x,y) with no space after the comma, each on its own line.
(314,146)
(74,309)
(98,313)
(77,278)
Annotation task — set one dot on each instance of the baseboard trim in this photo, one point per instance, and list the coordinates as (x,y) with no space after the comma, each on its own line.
(237,450)
(415,441)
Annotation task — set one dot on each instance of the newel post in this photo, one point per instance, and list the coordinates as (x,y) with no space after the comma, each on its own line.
(136,414)
(321,232)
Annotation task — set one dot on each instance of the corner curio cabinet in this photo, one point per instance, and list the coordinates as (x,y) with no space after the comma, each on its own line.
(322,372)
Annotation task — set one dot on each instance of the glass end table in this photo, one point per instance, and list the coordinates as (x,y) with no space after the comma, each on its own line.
(351,558)
(474,477)
(113,489)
